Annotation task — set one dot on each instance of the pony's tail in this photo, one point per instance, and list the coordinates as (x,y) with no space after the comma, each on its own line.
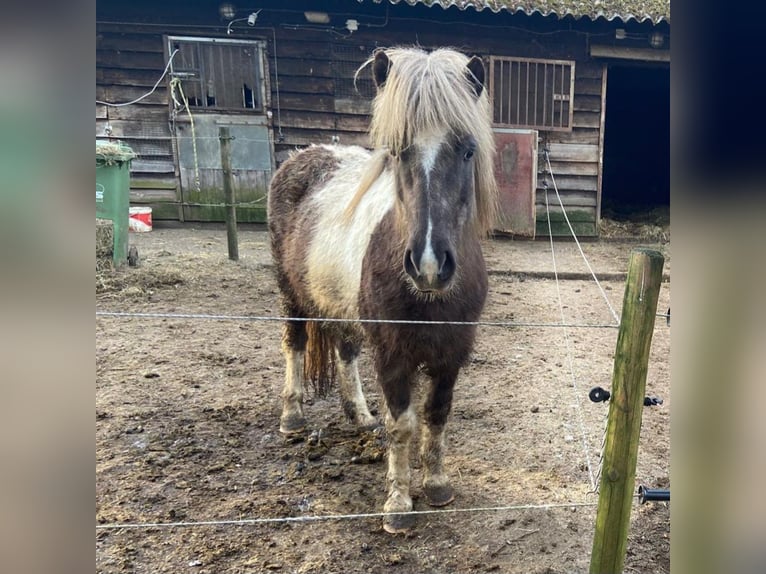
(319,361)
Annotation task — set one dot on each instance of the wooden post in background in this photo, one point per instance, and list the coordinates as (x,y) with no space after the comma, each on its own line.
(228,194)
(631,362)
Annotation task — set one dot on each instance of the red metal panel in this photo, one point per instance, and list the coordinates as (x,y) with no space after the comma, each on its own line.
(516,174)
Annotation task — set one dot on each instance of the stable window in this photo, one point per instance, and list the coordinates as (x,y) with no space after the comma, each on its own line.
(218,74)
(532,93)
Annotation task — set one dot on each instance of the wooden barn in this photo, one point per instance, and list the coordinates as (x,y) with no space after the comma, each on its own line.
(580,93)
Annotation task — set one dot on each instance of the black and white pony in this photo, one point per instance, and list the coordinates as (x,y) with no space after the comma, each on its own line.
(392,234)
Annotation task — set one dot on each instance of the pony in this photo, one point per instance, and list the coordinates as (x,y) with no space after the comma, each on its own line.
(393,234)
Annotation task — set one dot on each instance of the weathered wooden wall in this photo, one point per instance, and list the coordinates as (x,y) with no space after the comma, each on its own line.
(310,113)
(128,63)
(576,158)
(307,108)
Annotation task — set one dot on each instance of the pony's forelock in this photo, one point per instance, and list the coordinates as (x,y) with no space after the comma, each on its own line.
(428,92)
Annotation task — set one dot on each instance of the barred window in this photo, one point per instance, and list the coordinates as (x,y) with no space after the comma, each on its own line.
(532,93)
(219,74)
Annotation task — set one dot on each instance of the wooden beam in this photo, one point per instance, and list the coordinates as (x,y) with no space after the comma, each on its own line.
(576,136)
(577,183)
(623,53)
(573,152)
(586,119)
(587,103)
(149,132)
(570,199)
(153,166)
(601,131)
(300,137)
(561,229)
(136,182)
(574,214)
(573,168)
(353,106)
(587,87)
(150,195)
(116,94)
(588,70)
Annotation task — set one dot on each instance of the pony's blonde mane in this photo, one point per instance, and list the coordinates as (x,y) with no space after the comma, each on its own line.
(425,92)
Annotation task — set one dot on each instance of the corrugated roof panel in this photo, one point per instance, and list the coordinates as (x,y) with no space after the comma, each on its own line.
(654,11)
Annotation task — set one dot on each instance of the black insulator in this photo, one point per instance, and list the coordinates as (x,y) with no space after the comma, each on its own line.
(598,395)
(652,494)
(668,316)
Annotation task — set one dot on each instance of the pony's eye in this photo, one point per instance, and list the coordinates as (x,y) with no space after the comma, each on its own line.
(468,155)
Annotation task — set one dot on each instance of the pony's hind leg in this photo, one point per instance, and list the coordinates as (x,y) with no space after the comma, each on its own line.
(294,348)
(352,397)
(436,484)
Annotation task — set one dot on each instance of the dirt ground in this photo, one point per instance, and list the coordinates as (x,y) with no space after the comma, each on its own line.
(187,415)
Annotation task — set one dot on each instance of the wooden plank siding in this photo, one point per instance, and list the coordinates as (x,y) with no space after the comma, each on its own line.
(311,111)
(575,159)
(604,72)
(128,64)
(306,106)
(306,94)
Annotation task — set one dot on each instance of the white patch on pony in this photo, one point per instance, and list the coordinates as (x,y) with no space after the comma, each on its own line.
(338,247)
(351,390)
(292,393)
(429,146)
(432,455)
(399,433)
(429,265)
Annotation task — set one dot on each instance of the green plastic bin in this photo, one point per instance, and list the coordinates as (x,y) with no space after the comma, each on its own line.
(113,192)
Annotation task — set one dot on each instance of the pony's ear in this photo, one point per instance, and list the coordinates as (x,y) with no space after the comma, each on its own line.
(380,67)
(476,74)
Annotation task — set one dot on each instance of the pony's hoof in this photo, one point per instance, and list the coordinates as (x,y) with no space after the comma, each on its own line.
(398,523)
(368,425)
(292,424)
(440,495)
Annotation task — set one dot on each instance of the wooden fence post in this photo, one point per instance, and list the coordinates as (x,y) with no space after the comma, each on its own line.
(228,194)
(631,362)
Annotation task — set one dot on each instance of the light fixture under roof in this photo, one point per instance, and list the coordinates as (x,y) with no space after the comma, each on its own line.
(317,17)
(227,10)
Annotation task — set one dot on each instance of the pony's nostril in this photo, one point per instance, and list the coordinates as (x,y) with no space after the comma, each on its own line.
(447,269)
(409,265)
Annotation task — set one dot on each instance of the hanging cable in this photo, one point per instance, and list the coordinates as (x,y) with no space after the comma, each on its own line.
(175,83)
(571,229)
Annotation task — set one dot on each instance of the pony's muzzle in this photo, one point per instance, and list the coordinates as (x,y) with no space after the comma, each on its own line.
(428,276)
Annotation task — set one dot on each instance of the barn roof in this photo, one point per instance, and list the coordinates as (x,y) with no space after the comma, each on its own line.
(654,11)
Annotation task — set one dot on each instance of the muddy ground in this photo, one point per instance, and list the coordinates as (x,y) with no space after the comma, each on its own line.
(187,415)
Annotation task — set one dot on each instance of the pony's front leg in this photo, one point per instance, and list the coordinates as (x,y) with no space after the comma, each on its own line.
(436,484)
(401,421)
(399,430)
(294,347)
(352,397)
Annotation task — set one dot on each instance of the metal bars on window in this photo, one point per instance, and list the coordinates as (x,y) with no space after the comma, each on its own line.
(532,93)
